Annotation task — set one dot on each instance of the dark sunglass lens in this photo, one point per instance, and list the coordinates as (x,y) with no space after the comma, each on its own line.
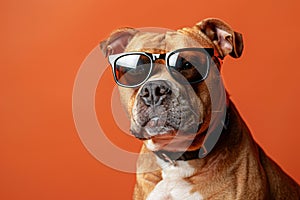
(189,65)
(132,69)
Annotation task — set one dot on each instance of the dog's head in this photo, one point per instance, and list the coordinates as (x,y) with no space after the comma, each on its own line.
(165,80)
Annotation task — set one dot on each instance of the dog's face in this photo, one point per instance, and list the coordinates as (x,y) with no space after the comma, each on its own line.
(166,112)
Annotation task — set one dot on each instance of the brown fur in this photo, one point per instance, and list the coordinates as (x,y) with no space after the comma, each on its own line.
(237,168)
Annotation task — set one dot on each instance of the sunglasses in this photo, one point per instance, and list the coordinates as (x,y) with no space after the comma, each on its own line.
(187,65)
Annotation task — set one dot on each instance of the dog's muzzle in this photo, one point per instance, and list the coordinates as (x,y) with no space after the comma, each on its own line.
(159,112)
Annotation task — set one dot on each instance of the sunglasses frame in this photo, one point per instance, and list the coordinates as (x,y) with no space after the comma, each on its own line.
(153,57)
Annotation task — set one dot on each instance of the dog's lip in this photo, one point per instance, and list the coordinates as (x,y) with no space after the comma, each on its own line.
(174,135)
(154,121)
(170,134)
(166,136)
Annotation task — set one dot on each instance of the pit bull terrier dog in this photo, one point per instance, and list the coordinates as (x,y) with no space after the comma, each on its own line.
(167,83)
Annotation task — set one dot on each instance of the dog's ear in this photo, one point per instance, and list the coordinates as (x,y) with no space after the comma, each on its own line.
(223,37)
(117,41)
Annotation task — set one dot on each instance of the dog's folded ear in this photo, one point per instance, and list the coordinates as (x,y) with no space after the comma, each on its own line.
(226,40)
(117,41)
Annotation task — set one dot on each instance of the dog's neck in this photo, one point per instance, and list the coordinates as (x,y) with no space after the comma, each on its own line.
(226,150)
(182,169)
(172,157)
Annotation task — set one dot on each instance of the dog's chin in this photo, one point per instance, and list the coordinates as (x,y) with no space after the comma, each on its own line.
(161,137)
(175,142)
(156,130)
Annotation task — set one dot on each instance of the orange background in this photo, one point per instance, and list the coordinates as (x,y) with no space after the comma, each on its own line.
(43,44)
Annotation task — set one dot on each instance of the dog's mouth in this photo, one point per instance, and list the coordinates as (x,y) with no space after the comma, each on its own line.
(158,126)
(165,121)
(171,140)
(161,128)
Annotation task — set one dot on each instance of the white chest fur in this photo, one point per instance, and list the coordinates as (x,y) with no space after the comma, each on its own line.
(173,186)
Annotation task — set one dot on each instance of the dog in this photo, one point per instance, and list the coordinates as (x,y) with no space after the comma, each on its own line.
(168,82)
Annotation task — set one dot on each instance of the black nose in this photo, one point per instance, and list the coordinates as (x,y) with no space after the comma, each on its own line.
(153,93)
